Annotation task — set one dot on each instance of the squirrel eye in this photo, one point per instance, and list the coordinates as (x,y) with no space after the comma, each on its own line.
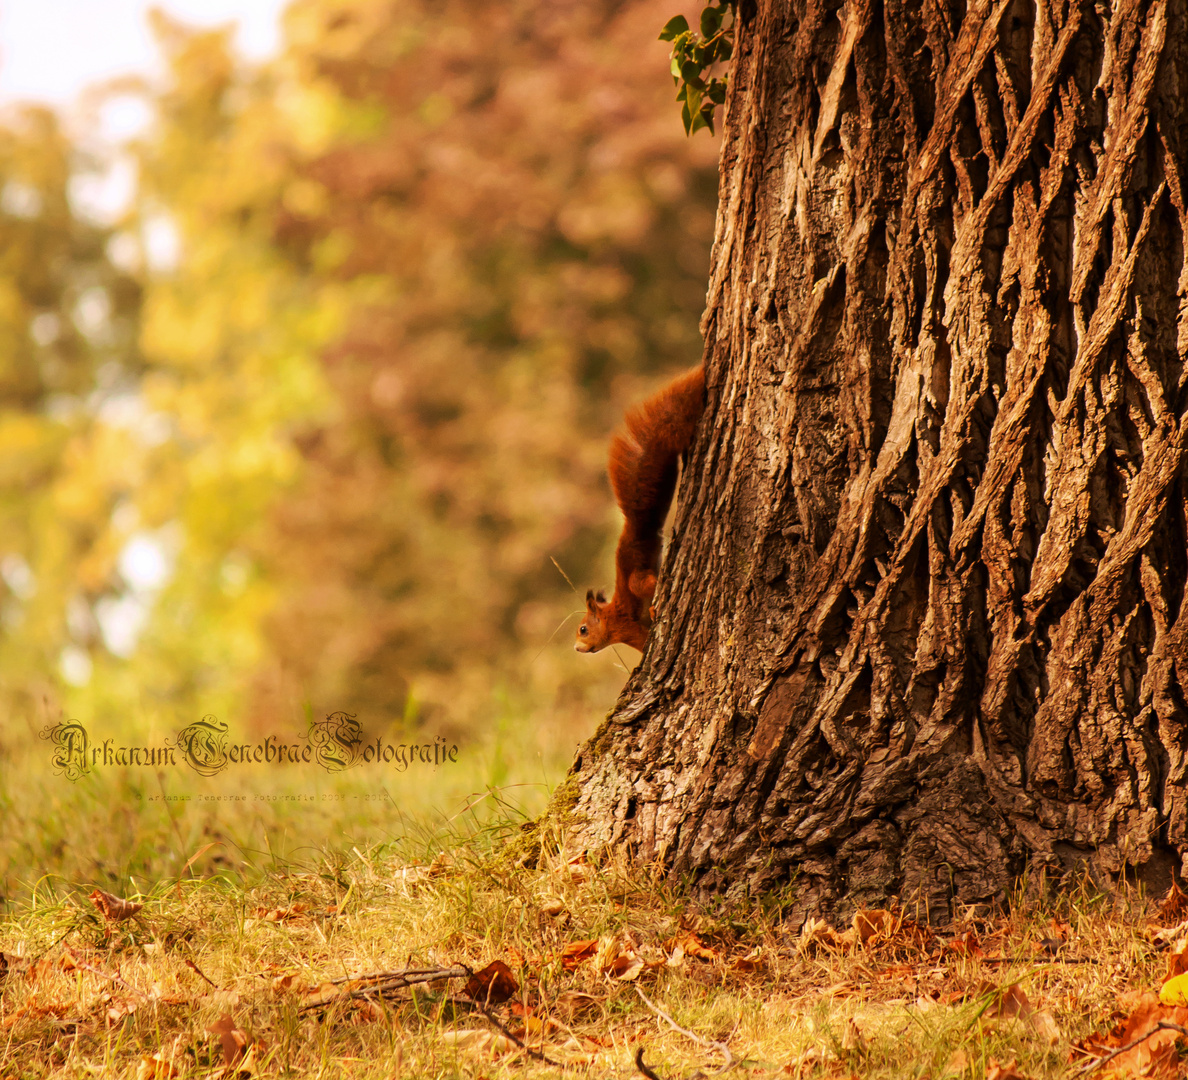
(581,629)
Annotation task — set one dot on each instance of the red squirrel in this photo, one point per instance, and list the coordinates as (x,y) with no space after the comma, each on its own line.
(643,473)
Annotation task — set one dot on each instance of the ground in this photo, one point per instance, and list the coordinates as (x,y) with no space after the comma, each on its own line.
(267,974)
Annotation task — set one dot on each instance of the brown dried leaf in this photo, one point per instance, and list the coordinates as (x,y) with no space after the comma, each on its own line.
(479,1039)
(1009,1071)
(118,1008)
(493,985)
(234,1041)
(817,932)
(957,1064)
(749,964)
(577,952)
(112,908)
(157,1067)
(965,945)
(294,911)
(1173,906)
(872,925)
(573,1003)
(1155,1055)
(688,945)
(1014,1005)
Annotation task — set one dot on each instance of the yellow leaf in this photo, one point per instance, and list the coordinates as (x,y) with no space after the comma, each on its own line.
(1175,991)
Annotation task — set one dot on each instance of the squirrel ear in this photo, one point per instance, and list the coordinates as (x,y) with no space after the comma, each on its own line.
(589,597)
(601,597)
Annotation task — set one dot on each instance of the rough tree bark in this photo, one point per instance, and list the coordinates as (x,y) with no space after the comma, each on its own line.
(922,621)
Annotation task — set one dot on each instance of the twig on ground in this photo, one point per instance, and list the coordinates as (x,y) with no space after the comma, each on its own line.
(382,982)
(198,971)
(639,1064)
(1163,1025)
(84,966)
(721,1047)
(518,1041)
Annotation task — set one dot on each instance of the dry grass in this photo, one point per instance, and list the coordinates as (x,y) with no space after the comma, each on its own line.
(86,996)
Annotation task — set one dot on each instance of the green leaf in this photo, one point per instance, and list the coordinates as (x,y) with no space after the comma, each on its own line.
(711,22)
(716,91)
(701,121)
(693,102)
(686,119)
(690,70)
(678,24)
(676,66)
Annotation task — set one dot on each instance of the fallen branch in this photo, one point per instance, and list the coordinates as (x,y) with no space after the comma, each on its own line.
(1163,1025)
(82,965)
(379,983)
(503,1029)
(639,1064)
(721,1047)
(382,982)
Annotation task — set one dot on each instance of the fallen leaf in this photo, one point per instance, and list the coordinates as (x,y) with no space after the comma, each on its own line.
(1013,1004)
(1155,1054)
(965,945)
(478,1039)
(689,945)
(553,906)
(493,985)
(1174,905)
(746,965)
(957,1064)
(1177,964)
(573,1003)
(817,932)
(1175,990)
(868,925)
(577,952)
(233,1040)
(113,908)
(294,911)
(158,1066)
(118,1008)
(1009,1071)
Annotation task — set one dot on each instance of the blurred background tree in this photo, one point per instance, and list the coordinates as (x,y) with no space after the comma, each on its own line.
(307,427)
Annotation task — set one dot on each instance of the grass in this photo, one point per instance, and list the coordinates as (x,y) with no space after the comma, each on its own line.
(254,905)
(85,996)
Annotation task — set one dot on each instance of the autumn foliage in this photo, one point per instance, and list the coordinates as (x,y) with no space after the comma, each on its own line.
(311,423)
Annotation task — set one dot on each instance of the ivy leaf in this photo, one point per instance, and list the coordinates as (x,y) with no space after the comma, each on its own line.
(693,53)
(678,24)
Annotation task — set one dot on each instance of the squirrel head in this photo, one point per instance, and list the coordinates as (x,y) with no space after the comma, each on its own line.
(592,633)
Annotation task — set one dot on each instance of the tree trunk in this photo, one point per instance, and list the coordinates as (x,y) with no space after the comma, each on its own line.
(921,622)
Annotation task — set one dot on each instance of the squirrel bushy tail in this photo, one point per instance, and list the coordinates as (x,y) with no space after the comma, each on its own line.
(643,473)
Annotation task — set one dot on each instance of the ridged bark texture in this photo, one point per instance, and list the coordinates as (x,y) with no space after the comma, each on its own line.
(922,623)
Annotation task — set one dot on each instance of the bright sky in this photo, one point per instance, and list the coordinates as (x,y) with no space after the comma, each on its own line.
(52,49)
